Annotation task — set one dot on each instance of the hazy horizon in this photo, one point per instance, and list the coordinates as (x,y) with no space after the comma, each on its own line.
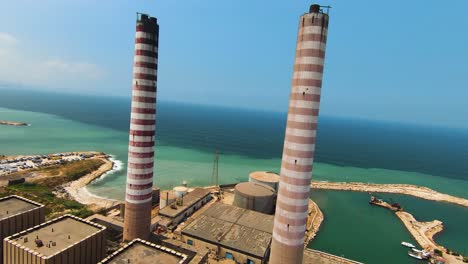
(282,111)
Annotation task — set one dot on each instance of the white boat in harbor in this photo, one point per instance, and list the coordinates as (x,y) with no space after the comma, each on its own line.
(415,255)
(407,244)
(424,253)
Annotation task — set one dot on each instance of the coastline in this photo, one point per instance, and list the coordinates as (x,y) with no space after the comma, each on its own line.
(313,222)
(422,232)
(77,189)
(406,189)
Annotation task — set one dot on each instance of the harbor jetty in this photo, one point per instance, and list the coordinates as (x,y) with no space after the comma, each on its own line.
(407,189)
(422,232)
(314,221)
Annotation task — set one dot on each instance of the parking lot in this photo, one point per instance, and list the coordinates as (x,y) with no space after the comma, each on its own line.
(11,165)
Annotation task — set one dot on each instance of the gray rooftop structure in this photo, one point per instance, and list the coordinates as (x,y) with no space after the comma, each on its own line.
(200,255)
(17,214)
(13,205)
(239,229)
(188,201)
(143,252)
(251,219)
(56,235)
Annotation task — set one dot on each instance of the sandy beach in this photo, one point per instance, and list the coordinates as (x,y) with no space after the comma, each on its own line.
(413,190)
(77,189)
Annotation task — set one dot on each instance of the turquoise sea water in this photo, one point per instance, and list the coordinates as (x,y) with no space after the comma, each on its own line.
(187,136)
(359,231)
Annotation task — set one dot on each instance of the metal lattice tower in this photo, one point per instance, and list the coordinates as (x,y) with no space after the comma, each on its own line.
(214,175)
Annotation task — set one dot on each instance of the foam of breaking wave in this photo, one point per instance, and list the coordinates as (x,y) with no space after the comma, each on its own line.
(86,195)
(118,166)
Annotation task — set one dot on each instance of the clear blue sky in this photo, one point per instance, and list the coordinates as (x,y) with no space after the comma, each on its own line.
(388,60)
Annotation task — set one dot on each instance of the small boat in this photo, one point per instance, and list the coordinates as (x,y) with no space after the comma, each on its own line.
(406,244)
(419,251)
(423,252)
(414,255)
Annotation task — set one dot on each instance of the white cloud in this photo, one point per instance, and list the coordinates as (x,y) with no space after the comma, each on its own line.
(7,39)
(17,66)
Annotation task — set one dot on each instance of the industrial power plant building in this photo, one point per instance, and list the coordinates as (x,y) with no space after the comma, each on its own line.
(255,196)
(183,207)
(67,239)
(17,214)
(265,177)
(143,252)
(231,232)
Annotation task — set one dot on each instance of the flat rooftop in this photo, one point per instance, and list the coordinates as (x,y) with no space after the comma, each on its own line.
(199,254)
(13,205)
(142,252)
(63,231)
(188,200)
(265,176)
(255,189)
(232,227)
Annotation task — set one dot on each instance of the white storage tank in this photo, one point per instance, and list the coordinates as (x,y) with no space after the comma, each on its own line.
(255,196)
(265,177)
(166,198)
(180,191)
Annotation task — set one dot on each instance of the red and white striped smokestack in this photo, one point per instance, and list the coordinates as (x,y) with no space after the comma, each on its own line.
(138,193)
(299,143)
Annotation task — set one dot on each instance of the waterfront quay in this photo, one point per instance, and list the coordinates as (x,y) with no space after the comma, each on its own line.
(422,232)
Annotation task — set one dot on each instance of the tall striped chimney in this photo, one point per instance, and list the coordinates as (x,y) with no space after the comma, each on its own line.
(299,143)
(138,193)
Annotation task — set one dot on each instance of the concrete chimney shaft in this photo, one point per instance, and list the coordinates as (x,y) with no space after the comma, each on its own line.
(138,195)
(299,143)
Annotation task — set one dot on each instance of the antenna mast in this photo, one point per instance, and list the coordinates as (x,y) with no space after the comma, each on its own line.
(214,175)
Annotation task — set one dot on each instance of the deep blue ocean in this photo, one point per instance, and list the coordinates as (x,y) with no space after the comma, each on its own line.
(257,134)
(188,135)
